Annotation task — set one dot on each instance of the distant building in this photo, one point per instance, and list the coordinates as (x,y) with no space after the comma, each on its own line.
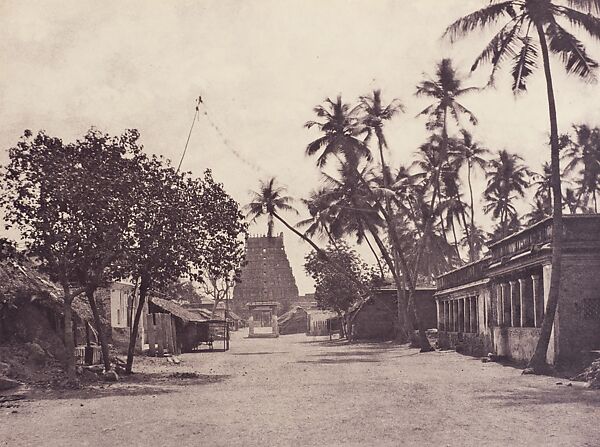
(375,318)
(497,304)
(267,276)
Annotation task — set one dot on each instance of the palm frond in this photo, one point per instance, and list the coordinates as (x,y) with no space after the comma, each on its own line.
(500,46)
(479,19)
(586,5)
(571,51)
(524,64)
(588,22)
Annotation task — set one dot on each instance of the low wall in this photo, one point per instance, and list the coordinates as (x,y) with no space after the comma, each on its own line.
(516,343)
(473,344)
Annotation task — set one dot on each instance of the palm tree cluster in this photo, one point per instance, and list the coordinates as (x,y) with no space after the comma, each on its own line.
(419,218)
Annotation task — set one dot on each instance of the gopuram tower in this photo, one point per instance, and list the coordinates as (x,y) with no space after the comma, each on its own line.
(267,275)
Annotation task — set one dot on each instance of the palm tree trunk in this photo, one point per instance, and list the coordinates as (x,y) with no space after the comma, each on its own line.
(472,203)
(376,257)
(402,334)
(270,226)
(537,364)
(323,255)
(455,240)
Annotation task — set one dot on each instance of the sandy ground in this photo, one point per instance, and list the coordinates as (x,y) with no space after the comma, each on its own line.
(302,391)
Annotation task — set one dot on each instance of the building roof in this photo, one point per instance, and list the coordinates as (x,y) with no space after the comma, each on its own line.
(178,311)
(21,281)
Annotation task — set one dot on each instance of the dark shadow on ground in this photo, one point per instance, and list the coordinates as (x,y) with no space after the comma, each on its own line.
(260,353)
(338,360)
(139,384)
(347,353)
(562,394)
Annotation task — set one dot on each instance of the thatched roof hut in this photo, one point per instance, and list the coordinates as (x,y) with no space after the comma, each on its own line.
(21,283)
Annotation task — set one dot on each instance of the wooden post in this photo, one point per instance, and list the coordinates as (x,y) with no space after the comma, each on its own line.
(151,335)
(160,335)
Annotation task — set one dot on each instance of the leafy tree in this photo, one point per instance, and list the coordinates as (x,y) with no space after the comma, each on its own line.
(223,249)
(183,291)
(71,204)
(181,227)
(531,26)
(333,291)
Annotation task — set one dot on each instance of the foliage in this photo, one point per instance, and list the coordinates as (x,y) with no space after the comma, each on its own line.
(269,199)
(333,290)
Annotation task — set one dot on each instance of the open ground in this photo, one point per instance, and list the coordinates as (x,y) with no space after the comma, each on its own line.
(302,391)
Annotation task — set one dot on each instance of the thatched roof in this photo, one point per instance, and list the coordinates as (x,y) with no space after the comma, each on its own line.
(290,314)
(176,310)
(233,316)
(20,282)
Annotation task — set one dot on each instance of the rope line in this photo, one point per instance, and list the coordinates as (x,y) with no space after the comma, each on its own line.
(221,135)
(190,133)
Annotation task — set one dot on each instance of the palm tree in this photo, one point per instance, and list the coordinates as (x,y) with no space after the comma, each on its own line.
(341,128)
(321,215)
(267,201)
(584,160)
(507,179)
(543,192)
(445,89)
(539,211)
(374,116)
(516,39)
(473,155)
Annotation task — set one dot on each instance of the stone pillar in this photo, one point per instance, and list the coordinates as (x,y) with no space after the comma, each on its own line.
(474,313)
(505,304)
(523,300)
(547,273)
(440,324)
(538,304)
(499,309)
(448,316)
(455,316)
(251,325)
(274,323)
(466,315)
(514,291)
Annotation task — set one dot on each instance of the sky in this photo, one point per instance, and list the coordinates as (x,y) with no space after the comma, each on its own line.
(261,67)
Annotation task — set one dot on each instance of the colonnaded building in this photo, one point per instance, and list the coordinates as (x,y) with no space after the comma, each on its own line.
(497,304)
(266,276)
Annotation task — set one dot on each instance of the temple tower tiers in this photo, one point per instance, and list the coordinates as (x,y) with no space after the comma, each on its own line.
(267,275)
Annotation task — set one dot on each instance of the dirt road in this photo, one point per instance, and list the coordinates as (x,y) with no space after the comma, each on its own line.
(304,391)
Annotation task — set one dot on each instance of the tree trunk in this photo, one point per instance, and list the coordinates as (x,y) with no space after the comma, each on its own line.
(455,241)
(472,203)
(376,257)
(68,334)
(323,255)
(136,325)
(98,324)
(270,226)
(537,364)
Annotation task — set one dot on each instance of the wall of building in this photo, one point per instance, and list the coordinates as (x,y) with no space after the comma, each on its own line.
(578,316)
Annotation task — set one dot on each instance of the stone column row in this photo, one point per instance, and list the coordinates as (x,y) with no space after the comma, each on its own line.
(520,303)
(458,315)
